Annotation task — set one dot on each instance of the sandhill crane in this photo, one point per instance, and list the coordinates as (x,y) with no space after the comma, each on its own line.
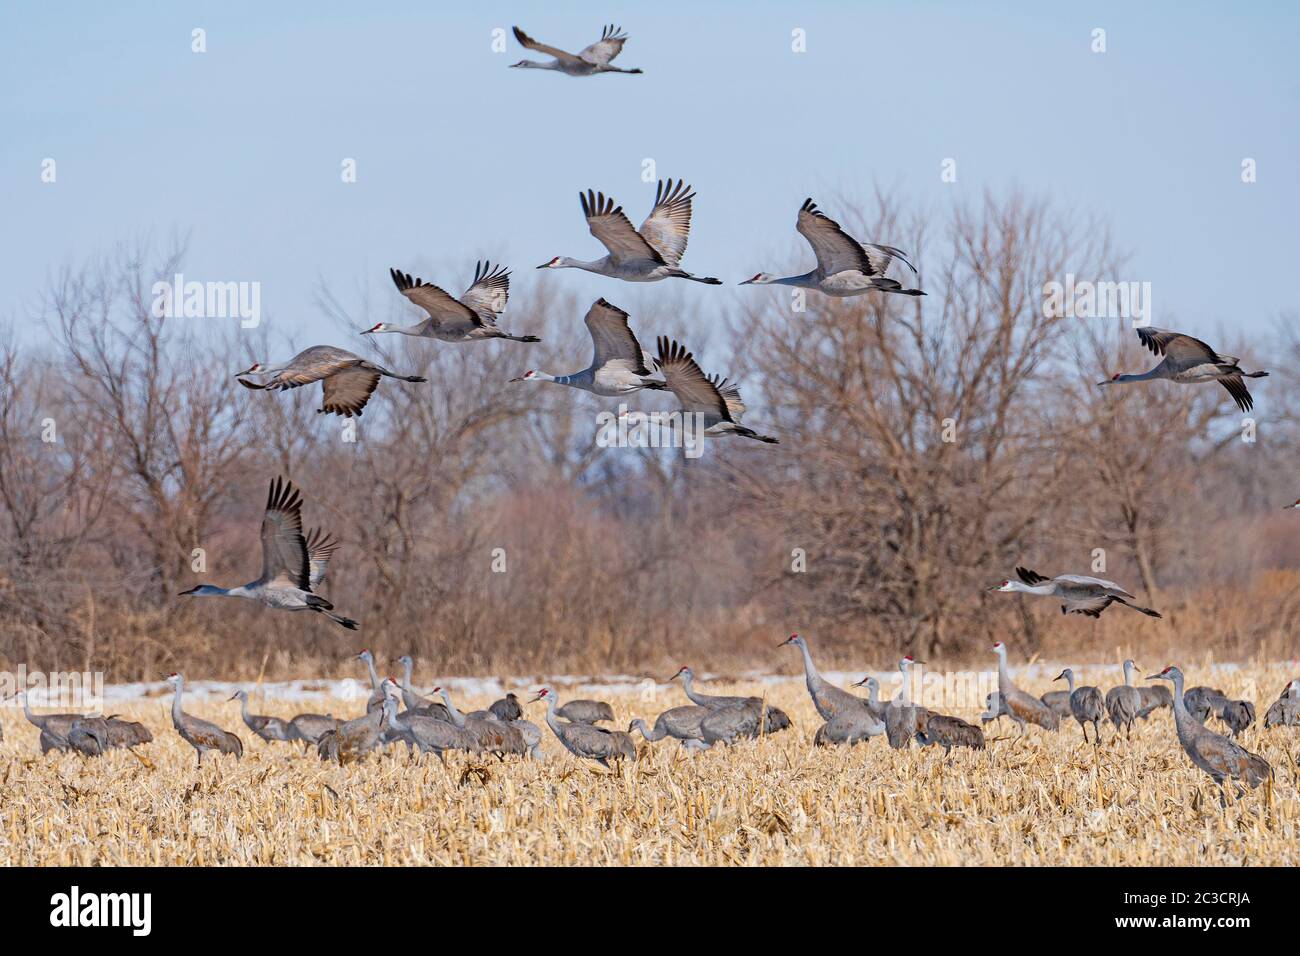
(1218,756)
(873,702)
(376,698)
(1189,361)
(711,701)
(993,708)
(593,59)
(845,266)
(415,704)
(202,735)
(309,727)
(1237,714)
(649,254)
(126,733)
(850,726)
(495,736)
(1124,702)
(89,736)
(56,725)
(680,723)
(1018,705)
(946,731)
(1058,700)
(715,399)
(586,711)
(357,737)
(738,721)
(429,734)
(268,728)
(826,697)
(347,380)
(1285,711)
(1080,594)
(1086,704)
(619,366)
(1154,698)
(507,708)
(471,318)
(285,583)
(902,718)
(1202,701)
(584,740)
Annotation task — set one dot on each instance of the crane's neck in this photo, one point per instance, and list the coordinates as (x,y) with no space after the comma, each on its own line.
(534,65)
(1069,680)
(408,667)
(1042,590)
(809,668)
(457,717)
(374,675)
(390,712)
(809,280)
(176,701)
(1146,376)
(688,685)
(27,708)
(600,266)
(873,693)
(243,707)
(1004,677)
(551,720)
(905,692)
(646,732)
(1128,673)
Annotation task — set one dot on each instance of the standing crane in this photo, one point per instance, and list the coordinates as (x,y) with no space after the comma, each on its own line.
(1189,361)
(1078,593)
(415,704)
(429,734)
(902,718)
(711,701)
(826,697)
(200,734)
(619,366)
(1124,702)
(507,708)
(126,733)
(1218,756)
(1154,698)
(491,735)
(1018,705)
(650,254)
(593,59)
(873,701)
(376,699)
(584,740)
(1202,701)
(285,583)
(1086,705)
(56,726)
(357,737)
(309,727)
(845,267)
(680,723)
(747,719)
(347,380)
(1285,711)
(268,728)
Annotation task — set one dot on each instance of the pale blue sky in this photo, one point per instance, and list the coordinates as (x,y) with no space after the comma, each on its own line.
(459,156)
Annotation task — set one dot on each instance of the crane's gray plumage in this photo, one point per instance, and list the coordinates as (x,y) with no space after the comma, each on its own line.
(1086,704)
(200,734)
(653,252)
(826,697)
(1189,361)
(1285,711)
(716,400)
(584,740)
(507,708)
(619,366)
(845,267)
(1123,703)
(1015,703)
(1154,698)
(355,738)
(285,583)
(1218,756)
(347,380)
(492,735)
(471,318)
(592,59)
(745,720)
(267,727)
(586,711)
(1078,593)
(680,723)
(711,701)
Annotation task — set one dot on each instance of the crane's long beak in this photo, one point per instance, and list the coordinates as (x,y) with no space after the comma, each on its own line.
(232,697)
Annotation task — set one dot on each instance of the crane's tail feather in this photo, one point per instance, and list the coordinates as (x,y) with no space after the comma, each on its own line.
(707,280)
(521,338)
(248,384)
(317,603)
(654,384)
(1255,374)
(339,619)
(1149,612)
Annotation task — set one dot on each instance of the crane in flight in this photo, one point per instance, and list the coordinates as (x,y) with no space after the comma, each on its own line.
(1078,593)
(1190,361)
(593,59)
(347,380)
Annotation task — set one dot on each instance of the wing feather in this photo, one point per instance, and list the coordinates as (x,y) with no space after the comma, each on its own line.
(615,345)
(668,226)
(610,225)
(694,390)
(487,295)
(284,549)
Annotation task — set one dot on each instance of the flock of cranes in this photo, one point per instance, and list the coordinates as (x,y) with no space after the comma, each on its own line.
(397,714)
(294,562)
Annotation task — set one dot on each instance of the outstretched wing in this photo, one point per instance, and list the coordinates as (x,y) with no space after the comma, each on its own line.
(321,546)
(835,249)
(606,48)
(1083,579)
(488,294)
(730,393)
(693,388)
(1237,389)
(1183,349)
(881,256)
(443,308)
(311,365)
(347,392)
(1030,577)
(284,549)
(615,345)
(668,226)
(610,225)
(529,43)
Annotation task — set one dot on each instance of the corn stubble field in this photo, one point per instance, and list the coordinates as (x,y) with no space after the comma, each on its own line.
(1044,798)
